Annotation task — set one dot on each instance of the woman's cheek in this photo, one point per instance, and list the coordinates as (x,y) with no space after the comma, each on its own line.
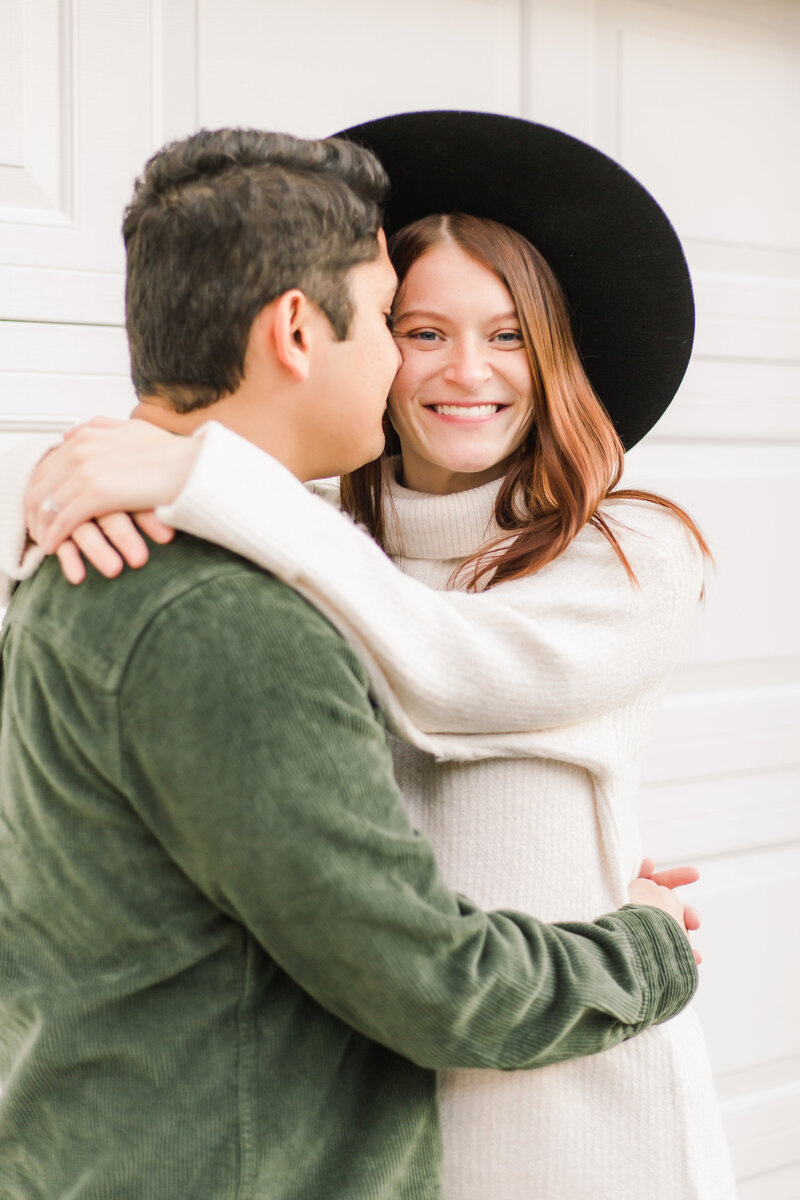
(398,391)
(394,411)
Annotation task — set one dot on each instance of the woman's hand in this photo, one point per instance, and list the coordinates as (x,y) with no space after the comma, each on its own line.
(655,888)
(109,543)
(81,492)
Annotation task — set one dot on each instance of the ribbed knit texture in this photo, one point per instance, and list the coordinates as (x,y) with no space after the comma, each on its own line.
(552,838)
(228,961)
(557,674)
(16,467)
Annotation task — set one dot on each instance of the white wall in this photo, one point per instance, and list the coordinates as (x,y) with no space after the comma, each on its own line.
(699,100)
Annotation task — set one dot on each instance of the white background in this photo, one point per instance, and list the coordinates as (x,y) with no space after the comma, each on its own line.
(700,101)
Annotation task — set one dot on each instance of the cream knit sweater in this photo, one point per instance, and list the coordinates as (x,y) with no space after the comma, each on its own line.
(523,710)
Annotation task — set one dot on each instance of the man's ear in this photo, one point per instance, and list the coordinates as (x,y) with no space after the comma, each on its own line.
(291,332)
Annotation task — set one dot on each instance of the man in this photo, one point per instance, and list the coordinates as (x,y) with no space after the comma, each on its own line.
(229,967)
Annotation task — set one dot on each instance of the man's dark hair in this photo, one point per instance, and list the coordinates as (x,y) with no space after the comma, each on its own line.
(221,224)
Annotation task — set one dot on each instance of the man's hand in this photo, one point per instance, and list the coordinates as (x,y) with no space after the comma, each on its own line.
(655,889)
(81,493)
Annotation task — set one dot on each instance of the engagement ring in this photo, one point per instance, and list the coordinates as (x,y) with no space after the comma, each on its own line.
(49,505)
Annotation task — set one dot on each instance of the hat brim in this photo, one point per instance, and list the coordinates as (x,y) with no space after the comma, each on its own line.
(613,249)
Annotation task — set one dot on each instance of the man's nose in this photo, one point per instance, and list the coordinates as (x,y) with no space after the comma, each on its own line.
(468,366)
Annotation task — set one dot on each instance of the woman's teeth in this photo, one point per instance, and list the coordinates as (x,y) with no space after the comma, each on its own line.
(468,411)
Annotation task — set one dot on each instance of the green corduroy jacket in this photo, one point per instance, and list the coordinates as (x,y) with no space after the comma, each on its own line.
(228,965)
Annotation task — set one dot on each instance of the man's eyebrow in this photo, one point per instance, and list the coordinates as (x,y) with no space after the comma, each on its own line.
(511,315)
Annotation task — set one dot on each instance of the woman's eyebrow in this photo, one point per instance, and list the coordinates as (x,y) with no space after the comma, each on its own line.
(511,315)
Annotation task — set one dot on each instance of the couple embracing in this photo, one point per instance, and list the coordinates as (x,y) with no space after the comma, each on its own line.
(232,966)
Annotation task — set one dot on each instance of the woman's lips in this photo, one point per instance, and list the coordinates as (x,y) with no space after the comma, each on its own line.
(465,413)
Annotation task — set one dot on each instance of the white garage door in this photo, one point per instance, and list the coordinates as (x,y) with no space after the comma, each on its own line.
(700,101)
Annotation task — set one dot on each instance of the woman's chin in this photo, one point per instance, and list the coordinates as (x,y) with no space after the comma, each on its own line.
(474,464)
(467,474)
(451,468)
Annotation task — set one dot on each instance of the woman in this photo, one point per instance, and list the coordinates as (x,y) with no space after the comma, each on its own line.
(524,704)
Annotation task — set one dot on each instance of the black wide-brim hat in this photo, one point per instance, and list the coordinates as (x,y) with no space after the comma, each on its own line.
(616,255)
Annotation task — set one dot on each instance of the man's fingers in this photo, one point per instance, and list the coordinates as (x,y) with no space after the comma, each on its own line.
(676,877)
(71,562)
(149,523)
(672,878)
(691,917)
(93,545)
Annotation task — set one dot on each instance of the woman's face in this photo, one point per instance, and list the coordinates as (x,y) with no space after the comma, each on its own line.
(462,401)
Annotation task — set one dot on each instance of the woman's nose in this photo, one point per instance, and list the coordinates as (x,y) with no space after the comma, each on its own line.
(468,366)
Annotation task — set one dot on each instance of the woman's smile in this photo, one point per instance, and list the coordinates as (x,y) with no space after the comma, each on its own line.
(468,414)
(462,401)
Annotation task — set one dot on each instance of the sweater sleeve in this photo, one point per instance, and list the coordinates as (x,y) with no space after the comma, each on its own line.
(554,648)
(251,750)
(16,467)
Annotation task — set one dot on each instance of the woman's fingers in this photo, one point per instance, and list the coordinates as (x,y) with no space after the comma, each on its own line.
(91,542)
(54,471)
(72,567)
(149,523)
(105,468)
(93,423)
(121,532)
(39,505)
(58,499)
(109,543)
(68,514)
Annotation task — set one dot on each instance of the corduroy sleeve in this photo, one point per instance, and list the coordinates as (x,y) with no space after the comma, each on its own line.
(250,748)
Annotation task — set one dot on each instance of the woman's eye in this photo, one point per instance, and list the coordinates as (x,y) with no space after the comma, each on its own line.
(509,337)
(423,335)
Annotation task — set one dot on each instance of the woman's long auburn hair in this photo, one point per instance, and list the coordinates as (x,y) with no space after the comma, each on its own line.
(571,460)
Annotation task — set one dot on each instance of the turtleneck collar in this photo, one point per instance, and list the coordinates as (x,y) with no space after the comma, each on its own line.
(422,525)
